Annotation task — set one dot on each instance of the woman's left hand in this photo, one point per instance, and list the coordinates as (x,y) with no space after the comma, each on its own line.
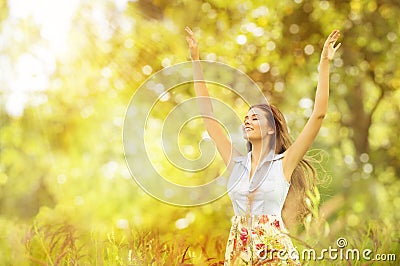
(329,49)
(193,44)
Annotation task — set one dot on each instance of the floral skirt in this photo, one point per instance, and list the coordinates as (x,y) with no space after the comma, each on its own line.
(259,240)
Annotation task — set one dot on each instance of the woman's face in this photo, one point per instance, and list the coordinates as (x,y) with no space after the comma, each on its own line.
(256,125)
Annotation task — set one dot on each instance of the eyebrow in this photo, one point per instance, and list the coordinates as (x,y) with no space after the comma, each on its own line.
(251,115)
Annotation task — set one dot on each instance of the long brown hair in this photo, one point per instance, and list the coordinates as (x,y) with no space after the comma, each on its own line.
(304,177)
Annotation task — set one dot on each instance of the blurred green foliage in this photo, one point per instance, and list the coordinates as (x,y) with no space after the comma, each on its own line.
(66,195)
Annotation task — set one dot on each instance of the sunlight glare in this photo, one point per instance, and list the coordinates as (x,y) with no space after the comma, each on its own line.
(30,71)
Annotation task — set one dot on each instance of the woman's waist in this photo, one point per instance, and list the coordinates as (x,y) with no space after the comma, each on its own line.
(257,217)
(269,222)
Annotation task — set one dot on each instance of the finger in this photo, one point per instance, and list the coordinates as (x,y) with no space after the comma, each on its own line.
(329,43)
(193,39)
(334,37)
(337,35)
(336,32)
(337,46)
(189,41)
(188,30)
(333,40)
(332,34)
(192,44)
(191,35)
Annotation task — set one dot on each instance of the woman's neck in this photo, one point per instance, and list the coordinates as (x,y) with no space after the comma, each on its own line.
(259,151)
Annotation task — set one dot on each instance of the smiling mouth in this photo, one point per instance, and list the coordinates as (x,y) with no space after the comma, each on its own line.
(247,129)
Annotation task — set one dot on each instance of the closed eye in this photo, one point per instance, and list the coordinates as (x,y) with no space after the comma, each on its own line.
(253,117)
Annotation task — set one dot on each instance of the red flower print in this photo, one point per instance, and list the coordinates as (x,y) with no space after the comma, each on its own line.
(276,224)
(244,235)
(260,231)
(264,219)
(260,250)
(260,246)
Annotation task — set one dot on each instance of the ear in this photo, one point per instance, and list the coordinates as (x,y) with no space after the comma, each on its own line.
(270,132)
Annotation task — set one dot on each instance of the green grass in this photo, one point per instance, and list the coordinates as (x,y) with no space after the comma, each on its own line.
(65,244)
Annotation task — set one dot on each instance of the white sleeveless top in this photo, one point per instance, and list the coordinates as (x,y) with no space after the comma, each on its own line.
(268,185)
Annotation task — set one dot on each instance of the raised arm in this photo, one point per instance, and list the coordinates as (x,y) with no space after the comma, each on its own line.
(296,151)
(214,129)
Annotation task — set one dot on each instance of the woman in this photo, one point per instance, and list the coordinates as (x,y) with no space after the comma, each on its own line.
(261,182)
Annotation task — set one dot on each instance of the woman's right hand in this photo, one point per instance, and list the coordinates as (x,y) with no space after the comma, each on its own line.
(193,44)
(329,48)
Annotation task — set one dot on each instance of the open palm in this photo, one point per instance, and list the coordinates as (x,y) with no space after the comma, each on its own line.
(193,44)
(329,49)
